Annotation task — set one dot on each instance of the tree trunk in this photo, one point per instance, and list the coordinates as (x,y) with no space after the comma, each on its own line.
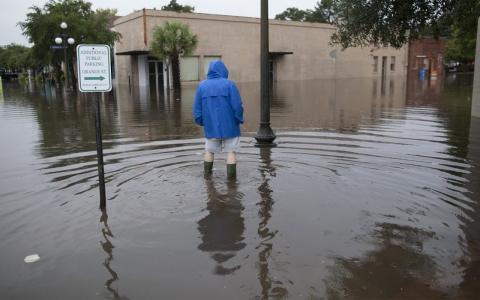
(177,85)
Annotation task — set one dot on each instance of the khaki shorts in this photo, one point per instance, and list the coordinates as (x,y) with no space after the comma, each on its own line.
(229,145)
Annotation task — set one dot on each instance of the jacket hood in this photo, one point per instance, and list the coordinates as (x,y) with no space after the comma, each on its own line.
(217,69)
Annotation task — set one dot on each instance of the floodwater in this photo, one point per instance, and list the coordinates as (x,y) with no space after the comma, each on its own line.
(371,193)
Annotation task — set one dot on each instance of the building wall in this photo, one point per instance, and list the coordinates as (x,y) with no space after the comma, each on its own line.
(237,41)
(428,52)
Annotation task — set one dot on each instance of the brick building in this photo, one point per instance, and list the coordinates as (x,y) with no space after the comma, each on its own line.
(428,53)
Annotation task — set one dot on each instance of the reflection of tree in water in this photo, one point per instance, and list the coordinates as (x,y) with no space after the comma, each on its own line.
(396,268)
(222,229)
(269,286)
(108,248)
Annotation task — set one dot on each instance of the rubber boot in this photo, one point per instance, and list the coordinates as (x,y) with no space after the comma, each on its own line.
(231,170)
(208,166)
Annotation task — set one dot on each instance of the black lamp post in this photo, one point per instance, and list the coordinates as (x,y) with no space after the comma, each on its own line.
(265,135)
(59,41)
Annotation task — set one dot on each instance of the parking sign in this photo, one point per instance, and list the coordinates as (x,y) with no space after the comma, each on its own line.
(94,73)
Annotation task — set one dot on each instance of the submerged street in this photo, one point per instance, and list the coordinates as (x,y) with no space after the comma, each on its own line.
(372,192)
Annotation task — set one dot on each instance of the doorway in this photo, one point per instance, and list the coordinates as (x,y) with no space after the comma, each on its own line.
(155,73)
(384,66)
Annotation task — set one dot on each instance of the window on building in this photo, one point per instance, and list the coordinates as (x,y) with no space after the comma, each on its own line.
(206,62)
(392,63)
(415,63)
(375,64)
(189,68)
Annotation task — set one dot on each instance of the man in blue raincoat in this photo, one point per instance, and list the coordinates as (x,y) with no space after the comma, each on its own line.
(218,108)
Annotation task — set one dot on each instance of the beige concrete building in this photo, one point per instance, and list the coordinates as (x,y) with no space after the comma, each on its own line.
(298,50)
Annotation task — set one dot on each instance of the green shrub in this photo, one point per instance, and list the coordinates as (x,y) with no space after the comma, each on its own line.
(22,78)
(63,78)
(39,77)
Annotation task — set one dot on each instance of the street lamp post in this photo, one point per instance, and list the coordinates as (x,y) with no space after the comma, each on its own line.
(265,135)
(59,41)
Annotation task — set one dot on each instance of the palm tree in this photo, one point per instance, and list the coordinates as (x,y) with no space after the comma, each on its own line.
(173,39)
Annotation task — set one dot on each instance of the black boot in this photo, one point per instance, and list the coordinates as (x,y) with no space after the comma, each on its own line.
(208,166)
(231,170)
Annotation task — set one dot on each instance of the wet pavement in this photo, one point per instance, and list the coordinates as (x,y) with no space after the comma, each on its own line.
(372,192)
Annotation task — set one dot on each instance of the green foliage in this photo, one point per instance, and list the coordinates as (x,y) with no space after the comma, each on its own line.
(42,26)
(15,57)
(39,77)
(173,39)
(174,6)
(461,47)
(396,22)
(328,10)
(22,78)
(325,11)
(292,14)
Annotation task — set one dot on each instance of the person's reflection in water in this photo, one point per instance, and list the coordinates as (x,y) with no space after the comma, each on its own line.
(222,229)
(270,288)
(108,248)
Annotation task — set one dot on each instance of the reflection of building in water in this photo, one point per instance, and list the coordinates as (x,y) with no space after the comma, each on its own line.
(108,248)
(423,91)
(396,269)
(222,229)
(342,104)
(144,114)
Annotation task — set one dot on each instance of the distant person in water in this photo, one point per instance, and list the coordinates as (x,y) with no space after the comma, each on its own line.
(218,108)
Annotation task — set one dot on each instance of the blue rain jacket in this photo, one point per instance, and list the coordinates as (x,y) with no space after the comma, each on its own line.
(218,105)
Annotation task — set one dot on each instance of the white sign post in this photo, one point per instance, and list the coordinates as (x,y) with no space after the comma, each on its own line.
(94,76)
(94,73)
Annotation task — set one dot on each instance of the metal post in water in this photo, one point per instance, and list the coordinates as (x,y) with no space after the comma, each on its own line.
(1,89)
(101,177)
(265,135)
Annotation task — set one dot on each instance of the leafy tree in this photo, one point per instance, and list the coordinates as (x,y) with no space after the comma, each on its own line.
(42,26)
(15,57)
(292,14)
(329,9)
(396,22)
(325,11)
(460,47)
(173,39)
(317,15)
(174,6)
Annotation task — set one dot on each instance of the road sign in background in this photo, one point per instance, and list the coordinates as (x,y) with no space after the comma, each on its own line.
(94,73)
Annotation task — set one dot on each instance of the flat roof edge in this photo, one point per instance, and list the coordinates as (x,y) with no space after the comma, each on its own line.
(133,52)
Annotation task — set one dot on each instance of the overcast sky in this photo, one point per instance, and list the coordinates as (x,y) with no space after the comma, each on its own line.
(15,11)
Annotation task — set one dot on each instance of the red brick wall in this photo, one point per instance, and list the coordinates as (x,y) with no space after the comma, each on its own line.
(429,49)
